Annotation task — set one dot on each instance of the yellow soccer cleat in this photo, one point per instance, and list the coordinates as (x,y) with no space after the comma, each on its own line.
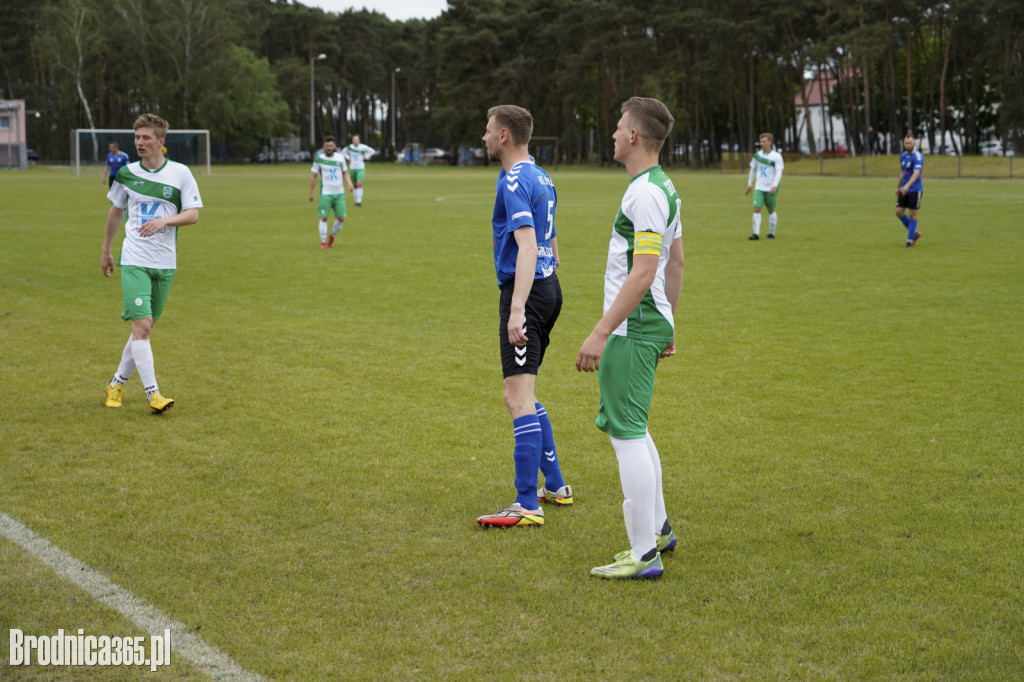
(115,394)
(159,404)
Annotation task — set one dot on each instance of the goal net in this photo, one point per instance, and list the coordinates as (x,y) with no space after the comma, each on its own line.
(89,146)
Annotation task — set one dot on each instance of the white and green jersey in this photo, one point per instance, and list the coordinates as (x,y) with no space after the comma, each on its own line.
(330,169)
(149,195)
(647,224)
(766,169)
(357,155)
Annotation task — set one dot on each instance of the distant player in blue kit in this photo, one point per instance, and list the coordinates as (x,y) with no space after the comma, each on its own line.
(116,159)
(910,188)
(525,259)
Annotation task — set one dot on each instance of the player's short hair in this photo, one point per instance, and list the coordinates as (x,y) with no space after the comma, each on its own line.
(329,138)
(153,121)
(517,120)
(651,118)
(771,138)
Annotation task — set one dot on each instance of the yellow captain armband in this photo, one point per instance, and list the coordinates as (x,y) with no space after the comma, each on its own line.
(647,244)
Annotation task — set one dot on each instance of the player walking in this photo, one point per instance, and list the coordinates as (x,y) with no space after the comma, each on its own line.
(766,167)
(330,165)
(357,154)
(116,160)
(643,279)
(161,195)
(525,259)
(910,188)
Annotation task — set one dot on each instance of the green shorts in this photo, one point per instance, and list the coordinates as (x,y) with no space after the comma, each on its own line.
(766,199)
(626,378)
(356,174)
(332,202)
(144,291)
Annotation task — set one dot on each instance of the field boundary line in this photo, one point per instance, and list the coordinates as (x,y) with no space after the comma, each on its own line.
(204,657)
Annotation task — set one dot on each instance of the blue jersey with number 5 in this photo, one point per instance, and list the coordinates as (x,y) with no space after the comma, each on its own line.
(525,197)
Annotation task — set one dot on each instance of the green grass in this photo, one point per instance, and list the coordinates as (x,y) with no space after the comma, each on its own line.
(841,436)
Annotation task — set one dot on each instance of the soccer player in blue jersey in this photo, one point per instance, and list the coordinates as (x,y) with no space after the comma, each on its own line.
(642,282)
(525,259)
(116,159)
(910,188)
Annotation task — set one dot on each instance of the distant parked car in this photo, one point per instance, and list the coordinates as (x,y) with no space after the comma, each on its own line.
(435,155)
(32,154)
(991,148)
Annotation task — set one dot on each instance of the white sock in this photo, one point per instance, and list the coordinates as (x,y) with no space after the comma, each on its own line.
(338,224)
(660,514)
(127,366)
(773,220)
(143,354)
(757,223)
(323,230)
(358,191)
(636,473)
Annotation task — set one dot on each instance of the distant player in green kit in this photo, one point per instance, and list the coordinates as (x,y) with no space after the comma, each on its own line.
(643,278)
(329,164)
(764,178)
(357,154)
(160,196)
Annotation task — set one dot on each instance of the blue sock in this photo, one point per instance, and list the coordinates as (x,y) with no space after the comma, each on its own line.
(549,456)
(527,458)
(905,219)
(911,229)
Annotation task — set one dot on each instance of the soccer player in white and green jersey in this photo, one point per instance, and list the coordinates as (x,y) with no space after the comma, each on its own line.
(643,279)
(357,154)
(766,170)
(329,165)
(160,196)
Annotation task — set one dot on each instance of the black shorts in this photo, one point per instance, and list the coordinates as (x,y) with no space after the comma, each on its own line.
(910,200)
(542,308)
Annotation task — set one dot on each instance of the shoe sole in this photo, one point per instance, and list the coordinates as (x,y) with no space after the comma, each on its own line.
(509,523)
(161,410)
(646,574)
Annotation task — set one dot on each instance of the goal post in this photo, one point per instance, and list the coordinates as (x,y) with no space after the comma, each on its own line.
(89,146)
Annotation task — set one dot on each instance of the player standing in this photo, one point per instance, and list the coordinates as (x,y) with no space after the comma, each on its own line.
(161,195)
(329,164)
(357,154)
(116,159)
(766,166)
(525,260)
(643,279)
(910,188)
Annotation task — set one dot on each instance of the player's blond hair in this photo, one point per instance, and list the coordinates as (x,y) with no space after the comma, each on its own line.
(771,138)
(517,120)
(651,118)
(153,121)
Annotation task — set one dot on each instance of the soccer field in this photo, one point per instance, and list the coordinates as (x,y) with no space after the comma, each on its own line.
(841,434)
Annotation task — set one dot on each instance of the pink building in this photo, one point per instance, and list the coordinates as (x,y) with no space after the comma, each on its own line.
(13,145)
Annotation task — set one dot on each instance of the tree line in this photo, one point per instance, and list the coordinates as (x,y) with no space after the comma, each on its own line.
(728,69)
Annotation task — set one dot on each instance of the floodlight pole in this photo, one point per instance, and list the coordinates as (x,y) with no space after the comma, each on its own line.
(394,144)
(312,113)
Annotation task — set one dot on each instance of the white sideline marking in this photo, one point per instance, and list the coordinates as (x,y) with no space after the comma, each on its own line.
(207,659)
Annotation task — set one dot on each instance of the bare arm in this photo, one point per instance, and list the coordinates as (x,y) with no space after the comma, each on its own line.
(526,268)
(673,283)
(312,184)
(637,284)
(114,217)
(190,216)
(554,251)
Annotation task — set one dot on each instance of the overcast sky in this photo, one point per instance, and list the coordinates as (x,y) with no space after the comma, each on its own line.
(398,10)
